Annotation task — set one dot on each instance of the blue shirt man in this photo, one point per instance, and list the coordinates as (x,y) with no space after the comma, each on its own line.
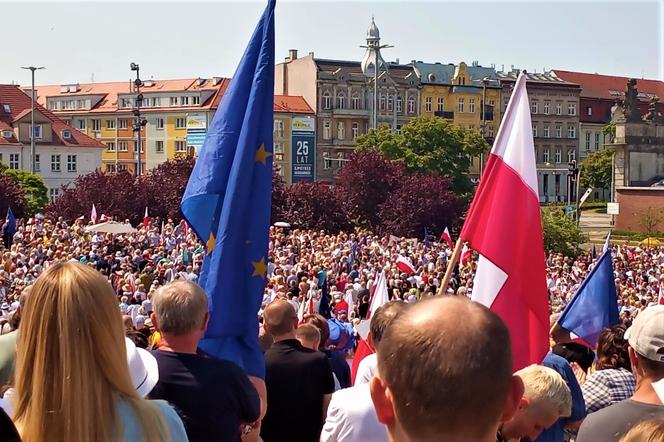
(556,432)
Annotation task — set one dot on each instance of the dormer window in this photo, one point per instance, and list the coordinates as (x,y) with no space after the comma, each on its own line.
(66,134)
(7,108)
(7,134)
(38,132)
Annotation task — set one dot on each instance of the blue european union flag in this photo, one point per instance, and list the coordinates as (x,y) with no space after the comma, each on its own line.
(595,306)
(227,203)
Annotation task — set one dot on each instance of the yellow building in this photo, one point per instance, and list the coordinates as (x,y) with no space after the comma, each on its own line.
(458,93)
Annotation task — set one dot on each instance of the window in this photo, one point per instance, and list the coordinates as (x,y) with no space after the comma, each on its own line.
(341,100)
(587,141)
(110,168)
(142,146)
(196,100)
(461,105)
(159,146)
(110,146)
(341,130)
(390,102)
(355,130)
(184,101)
(123,146)
(327,163)
(534,131)
(427,104)
(81,124)
(559,155)
(490,131)
(571,108)
(122,124)
(173,101)
(53,193)
(545,155)
(327,129)
(571,132)
(597,135)
(589,110)
(559,131)
(471,105)
(55,163)
(533,107)
(110,124)
(37,166)
(411,105)
(7,108)
(356,102)
(180,146)
(38,131)
(279,128)
(571,155)
(180,123)
(14,160)
(71,163)
(122,167)
(398,128)
(66,134)
(96,125)
(160,123)
(559,108)
(546,131)
(399,104)
(382,102)
(156,102)
(327,100)
(546,107)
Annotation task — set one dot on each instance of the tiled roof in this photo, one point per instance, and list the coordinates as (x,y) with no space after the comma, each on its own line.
(19,103)
(292,104)
(610,86)
(110,91)
(438,73)
(533,77)
(396,70)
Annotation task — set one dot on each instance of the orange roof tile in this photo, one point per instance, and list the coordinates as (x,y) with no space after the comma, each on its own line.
(599,86)
(292,104)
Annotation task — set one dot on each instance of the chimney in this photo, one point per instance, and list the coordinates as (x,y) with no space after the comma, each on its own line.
(292,54)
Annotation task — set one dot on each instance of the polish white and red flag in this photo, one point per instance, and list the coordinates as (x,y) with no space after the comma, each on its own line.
(466,255)
(445,236)
(93,215)
(504,227)
(405,265)
(146,218)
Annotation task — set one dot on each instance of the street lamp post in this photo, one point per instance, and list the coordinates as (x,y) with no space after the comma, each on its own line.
(485,81)
(139,122)
(33,153)
(373,58)
(574,173)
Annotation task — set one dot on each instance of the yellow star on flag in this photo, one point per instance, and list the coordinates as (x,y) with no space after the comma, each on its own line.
(210,243)
(262,155)
(260,268)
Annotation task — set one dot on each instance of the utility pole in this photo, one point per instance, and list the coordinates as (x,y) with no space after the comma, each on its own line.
(33,153)
(139,122)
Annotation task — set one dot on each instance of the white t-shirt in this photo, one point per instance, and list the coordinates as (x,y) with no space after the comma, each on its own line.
(351,417)
(366,369)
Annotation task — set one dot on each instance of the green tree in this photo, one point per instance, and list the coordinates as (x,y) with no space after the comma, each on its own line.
(430,144)
(32,184)
(610,130)
(596,170)
(560,232)
(650,219)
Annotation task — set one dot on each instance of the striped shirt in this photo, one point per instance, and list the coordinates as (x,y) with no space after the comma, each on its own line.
(606,387)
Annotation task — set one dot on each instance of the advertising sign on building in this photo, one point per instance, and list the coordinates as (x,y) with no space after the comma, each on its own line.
(196,130)
(304,149)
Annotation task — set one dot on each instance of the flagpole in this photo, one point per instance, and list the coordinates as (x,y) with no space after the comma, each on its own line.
(450,266)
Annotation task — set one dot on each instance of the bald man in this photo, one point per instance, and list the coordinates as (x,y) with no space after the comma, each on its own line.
(445,373)
(299,381)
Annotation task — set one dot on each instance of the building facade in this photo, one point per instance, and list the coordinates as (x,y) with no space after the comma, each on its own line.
(554,110)
(62,153)
(467,96)
(343,96)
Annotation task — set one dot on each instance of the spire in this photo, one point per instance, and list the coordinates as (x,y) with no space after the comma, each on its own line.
(373,34)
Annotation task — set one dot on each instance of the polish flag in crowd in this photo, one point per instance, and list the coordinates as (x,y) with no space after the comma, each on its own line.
(445,236)
(466,255)
(146,218)
(660,297)
(405,265)
(504,226)
(380,297)
(93,215)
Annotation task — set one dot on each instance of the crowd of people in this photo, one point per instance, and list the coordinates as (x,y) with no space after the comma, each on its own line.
(440,369)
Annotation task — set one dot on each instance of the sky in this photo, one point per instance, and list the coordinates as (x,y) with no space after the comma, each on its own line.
(82,41)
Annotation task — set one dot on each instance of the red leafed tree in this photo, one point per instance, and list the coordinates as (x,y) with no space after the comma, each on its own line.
(367,180)
(316,206)
(11,196)
(119,196)
(422,200)
(165,186)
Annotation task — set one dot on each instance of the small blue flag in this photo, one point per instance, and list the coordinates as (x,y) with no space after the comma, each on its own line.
(595,305)
(227,203)
(324,306)
(10,229)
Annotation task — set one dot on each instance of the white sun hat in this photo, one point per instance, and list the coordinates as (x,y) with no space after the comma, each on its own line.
(143,368)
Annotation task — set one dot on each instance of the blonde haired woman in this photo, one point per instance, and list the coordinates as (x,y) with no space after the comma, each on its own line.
(72,380)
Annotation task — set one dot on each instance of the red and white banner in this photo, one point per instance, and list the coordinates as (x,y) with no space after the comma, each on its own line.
(445,236)
(466,255)
(93,215)
(405,265)
(504,226)
(146,218)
